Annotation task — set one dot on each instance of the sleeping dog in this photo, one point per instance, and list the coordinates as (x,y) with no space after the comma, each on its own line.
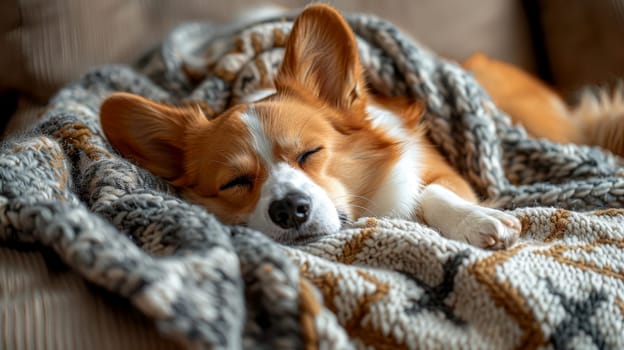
(315,150)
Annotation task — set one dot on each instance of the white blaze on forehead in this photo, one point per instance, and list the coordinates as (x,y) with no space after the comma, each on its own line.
(257,95)
(260,142)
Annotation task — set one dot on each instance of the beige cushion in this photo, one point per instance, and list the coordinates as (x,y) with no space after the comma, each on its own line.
(54,308)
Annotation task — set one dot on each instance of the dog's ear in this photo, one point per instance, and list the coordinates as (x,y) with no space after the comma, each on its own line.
(322,56)
(150,133)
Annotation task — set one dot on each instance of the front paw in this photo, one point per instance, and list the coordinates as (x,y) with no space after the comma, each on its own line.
(490,228)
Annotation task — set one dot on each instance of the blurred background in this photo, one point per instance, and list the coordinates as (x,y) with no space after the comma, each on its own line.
(44,44)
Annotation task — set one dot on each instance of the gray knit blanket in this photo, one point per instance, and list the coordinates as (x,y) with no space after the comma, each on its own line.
(382,283)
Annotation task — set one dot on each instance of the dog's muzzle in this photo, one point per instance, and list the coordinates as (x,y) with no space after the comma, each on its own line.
(291,211)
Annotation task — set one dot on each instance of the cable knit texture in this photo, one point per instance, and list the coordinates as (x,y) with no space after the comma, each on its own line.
(382,283)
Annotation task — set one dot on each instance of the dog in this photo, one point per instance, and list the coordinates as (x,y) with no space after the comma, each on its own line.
(312,153)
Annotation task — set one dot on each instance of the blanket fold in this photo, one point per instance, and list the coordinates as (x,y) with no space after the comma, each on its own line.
(382,283)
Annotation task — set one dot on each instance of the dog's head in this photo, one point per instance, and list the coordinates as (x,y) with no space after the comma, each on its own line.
(299,162)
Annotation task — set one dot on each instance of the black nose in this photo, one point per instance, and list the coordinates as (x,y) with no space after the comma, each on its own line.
(291,211)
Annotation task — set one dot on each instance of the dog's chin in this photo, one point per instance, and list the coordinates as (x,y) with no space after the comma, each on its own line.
(298,238)
(309,232)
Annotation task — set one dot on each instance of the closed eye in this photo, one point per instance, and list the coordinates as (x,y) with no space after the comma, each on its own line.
(303,157)
(241,181)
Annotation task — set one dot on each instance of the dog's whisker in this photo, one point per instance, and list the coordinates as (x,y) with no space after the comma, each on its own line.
(350,199)
(364,209)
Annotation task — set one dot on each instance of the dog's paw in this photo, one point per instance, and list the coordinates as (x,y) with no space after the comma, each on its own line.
(490,228)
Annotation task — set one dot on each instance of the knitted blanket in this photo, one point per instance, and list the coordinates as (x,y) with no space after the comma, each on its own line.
(381,283)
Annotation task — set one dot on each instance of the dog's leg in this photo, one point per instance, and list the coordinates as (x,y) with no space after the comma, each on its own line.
(463,220)
(448,204)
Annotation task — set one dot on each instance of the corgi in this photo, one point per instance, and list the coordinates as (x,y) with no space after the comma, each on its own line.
(308,155)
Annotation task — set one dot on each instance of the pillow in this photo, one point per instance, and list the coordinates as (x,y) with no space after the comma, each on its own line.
(47,306)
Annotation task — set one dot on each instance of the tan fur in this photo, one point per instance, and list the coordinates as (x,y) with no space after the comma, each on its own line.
(438,171)
(322,56)
(152,134)
(600,115)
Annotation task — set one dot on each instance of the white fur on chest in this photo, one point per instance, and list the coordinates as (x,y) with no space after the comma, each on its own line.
(398,194)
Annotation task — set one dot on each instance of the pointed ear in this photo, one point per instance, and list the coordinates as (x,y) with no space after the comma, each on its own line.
(150,133)
(322,56)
